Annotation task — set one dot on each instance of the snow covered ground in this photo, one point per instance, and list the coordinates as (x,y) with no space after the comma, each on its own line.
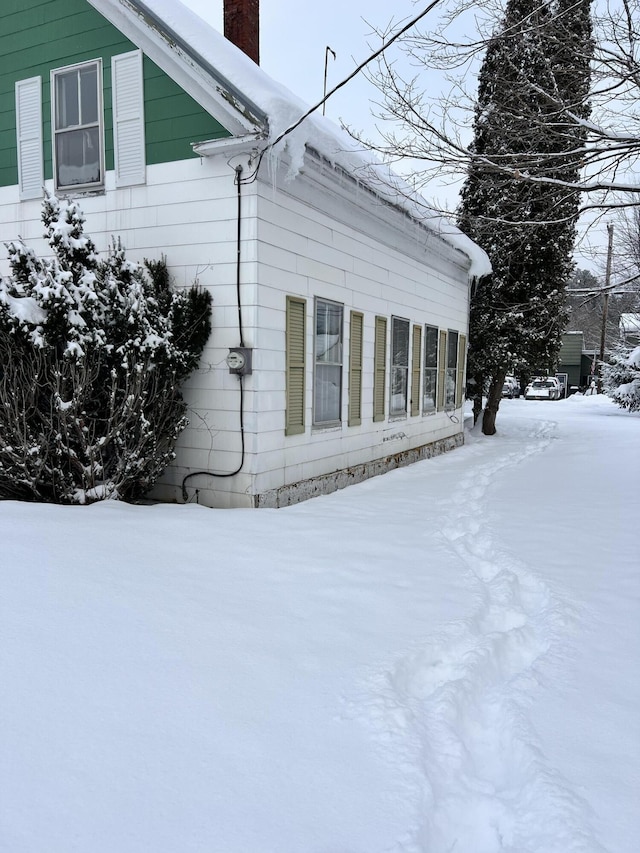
(444,658)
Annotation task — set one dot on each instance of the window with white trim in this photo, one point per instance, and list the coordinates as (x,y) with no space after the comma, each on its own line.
(452,369)
(327,377)
(77,121)
(430,379)
(399,366)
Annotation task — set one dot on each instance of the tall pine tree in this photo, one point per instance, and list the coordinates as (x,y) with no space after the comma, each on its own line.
(516,204)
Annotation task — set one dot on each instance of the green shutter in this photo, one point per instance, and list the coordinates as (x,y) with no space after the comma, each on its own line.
(295,365)
(379,368)
(442,367)
(415,370)
(462,356)
(355,369)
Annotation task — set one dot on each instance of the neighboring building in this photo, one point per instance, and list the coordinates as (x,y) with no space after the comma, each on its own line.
(570,358)
(630,329)
(342,305)
(578,363)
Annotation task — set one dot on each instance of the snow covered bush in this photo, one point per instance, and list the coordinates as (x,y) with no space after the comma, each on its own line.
(621,378)
(92,355)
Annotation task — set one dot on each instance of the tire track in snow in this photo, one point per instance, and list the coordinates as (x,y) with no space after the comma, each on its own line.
(452,715)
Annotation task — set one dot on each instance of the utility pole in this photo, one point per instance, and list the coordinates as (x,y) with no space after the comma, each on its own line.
(605,309)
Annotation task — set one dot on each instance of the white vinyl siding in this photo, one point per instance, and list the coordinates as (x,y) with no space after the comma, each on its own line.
(29,137)
(128,119)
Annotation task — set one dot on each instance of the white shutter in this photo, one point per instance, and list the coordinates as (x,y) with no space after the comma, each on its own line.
(29,137)
(128,118)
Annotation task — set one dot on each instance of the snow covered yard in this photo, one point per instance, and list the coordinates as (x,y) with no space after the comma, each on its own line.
(441,659)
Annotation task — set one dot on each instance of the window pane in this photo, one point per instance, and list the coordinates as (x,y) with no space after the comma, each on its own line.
(430,378)
(399,366)
(452,349)
(327,386)
(328,381)
(450,387)
(398,390)
(400,342)
(78,157)
(67,111)
(431,346)
(78,138)
(329,332)
(429,393)
(89,95)
(452,363)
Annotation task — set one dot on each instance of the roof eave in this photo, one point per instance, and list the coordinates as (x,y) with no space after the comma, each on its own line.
(227,145)
(133,18)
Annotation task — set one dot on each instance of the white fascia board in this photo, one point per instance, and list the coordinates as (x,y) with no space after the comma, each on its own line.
(192,73)
(227,145)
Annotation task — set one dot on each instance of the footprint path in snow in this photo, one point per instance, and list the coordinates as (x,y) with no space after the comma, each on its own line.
(452,714)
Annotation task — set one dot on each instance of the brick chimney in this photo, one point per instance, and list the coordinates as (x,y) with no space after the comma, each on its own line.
(242,26)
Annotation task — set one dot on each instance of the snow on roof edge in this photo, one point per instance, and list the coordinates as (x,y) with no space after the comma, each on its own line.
(283,109)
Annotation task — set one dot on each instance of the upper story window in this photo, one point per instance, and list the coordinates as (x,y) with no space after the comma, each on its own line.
(327,380)
(78,127)
(78,153)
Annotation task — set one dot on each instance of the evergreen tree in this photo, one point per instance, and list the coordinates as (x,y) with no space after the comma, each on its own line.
(621,378)
(92,354)
(532,94)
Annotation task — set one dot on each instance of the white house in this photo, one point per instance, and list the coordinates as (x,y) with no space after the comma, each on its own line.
(630,329)
(340,303)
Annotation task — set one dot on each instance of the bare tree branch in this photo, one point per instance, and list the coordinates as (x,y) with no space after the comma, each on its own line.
(428,133)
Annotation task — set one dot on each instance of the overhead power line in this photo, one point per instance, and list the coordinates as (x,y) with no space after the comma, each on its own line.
(344,82)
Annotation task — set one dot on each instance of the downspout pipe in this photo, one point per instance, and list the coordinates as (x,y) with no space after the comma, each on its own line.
(238,181)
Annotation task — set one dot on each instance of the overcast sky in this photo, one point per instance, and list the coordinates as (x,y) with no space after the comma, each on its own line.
(294,36)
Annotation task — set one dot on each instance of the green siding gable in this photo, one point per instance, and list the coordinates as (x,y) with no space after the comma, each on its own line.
(571,349)
(38,36)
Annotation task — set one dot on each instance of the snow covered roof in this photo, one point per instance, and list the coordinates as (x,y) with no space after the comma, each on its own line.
(247,101)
